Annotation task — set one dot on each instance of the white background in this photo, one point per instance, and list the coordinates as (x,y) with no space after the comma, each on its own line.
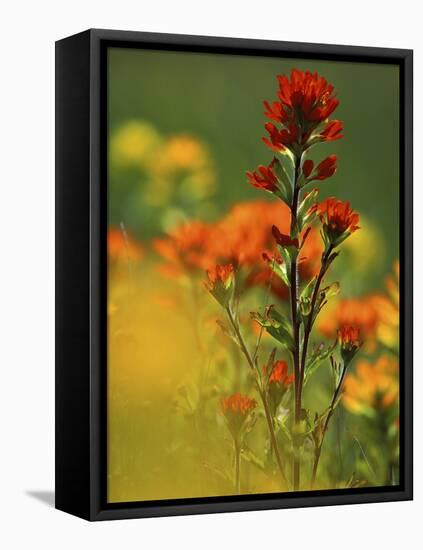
(28,32)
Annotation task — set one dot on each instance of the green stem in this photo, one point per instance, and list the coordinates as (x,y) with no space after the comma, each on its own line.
(309,325)
(318,450)
(293,291)
(261,393)
(237,452)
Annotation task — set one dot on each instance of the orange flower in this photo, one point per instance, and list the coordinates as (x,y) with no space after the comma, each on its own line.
(186,249)
(309,93)
(219,283)
(279,382)
(279,374)
(373,386)
(349,336)
(239,238)
(236,409)
(387,307)
(338,219)
(306,102)
(122,247)
(349,340)
(353,312)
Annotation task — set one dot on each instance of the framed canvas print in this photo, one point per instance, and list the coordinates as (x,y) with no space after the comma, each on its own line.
(233,274)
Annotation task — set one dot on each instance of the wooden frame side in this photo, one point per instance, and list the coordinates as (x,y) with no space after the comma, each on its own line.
(72,369)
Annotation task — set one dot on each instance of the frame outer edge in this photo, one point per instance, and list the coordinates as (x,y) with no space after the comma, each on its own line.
(96,447)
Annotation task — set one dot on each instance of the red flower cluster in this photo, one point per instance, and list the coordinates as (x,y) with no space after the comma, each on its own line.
(279,374)
(349,340)
(306,102)
(240,238)
(220,274)
(238,404)
(236,409)
(349,336)
(337,218)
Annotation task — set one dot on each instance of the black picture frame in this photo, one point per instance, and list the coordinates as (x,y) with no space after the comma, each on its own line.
(81,273)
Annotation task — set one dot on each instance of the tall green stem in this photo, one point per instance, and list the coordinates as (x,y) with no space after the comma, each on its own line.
(237,452)
(262,394)
(295,326)
(318,451)
(309,324)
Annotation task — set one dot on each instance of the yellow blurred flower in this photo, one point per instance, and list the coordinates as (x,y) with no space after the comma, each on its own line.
(373,386)
(185,153)
(361,245)
(133,143)
(387,307)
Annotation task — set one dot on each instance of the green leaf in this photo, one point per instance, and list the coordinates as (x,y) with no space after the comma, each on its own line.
(277,326)
(305,298)
(317,357)
(285,181)
(304,215)
(279,269)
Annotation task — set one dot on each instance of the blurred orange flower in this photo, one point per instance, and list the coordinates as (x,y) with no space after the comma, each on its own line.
(373,386)
(387,306)
(186,249)
(236,409)
(358,312)
(279,374)
(240,238)
(122,247)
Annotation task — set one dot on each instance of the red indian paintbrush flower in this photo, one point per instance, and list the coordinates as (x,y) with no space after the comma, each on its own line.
(338,218)
(236,409)
(324,170)
(306,102)
(220,283)
(279,374)
(309,93)
(279,382)
(349,340)
(264,178)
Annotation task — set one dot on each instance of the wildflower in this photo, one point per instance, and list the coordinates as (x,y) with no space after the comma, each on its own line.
(279,375)
(186,249)
(373,386)
(309,93)
(236,408)
(324,170)
(387,307)
(349,341)
(264,178)
(278,382)
(306,101)
(338,219)
(356,312)
(220,283)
